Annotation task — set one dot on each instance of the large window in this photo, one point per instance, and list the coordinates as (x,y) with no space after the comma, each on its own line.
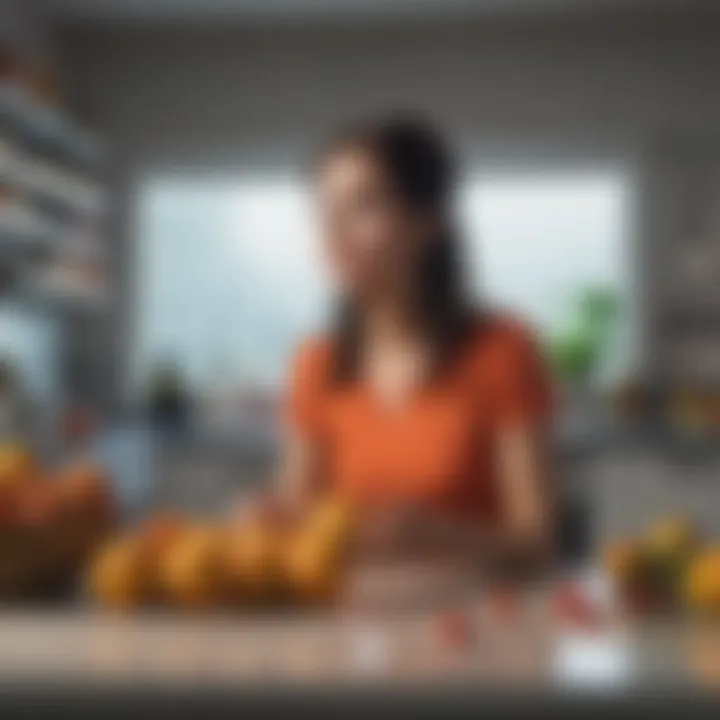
(28,345)
(228,279)
(539,242)
(229,274)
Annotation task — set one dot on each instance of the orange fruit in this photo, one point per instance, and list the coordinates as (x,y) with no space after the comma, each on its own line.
(312,569)
(621,559)
(251,557)
(702,583)
(86,489)
(156,536)
(191,571)
(39,504)
(160,531)
(670,537)
(314,553)
(330,521)
(17,464)
(119,575)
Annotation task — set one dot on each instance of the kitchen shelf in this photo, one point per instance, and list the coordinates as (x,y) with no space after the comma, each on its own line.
(49,297)
(48,126)
(691,318)
(23,229)
(49,185)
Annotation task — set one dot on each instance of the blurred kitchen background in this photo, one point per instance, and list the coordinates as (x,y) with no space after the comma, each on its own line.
(157,263)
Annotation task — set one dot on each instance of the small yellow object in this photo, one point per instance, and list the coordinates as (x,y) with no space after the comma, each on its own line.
(622,558)
(312,569)
(703,582)
(17,464)
(330,521)
(670,536)
(251,556)
(313,558)
(191,573)
(119,575)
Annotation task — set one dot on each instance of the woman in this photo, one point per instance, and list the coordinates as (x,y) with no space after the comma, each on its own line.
(425,414)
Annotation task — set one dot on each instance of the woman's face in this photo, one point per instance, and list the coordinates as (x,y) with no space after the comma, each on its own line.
(370,237)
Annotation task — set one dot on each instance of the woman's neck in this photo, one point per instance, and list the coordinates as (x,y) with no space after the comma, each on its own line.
(396,358)
(389,321)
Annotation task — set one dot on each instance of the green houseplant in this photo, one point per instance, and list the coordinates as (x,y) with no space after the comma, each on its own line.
(576,353)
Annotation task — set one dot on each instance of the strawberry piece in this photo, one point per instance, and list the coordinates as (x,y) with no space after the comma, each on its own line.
(455,629)
(572,606)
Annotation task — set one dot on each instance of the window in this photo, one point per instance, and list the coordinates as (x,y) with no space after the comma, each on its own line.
(230,278)
(539,241)
(29,343)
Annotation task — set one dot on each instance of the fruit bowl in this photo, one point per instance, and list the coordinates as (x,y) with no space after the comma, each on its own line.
(668,571)
(49,523)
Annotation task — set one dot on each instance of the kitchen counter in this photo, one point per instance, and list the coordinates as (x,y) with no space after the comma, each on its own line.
(87,652)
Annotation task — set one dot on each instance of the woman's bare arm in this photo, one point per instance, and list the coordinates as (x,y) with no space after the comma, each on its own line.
(299,474)
(527,495)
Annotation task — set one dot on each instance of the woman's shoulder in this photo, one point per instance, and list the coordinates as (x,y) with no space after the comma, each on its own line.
(312,359)
(502,337)
(495,337)
(509,363)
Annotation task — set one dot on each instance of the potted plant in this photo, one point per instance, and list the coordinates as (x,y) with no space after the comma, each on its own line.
(576,354)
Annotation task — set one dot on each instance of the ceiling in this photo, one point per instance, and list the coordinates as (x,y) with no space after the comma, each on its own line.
(112,11)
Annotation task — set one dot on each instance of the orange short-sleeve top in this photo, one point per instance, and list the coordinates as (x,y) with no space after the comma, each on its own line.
(438,447)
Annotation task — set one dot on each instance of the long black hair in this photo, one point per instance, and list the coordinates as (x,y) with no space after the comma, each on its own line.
(421,171)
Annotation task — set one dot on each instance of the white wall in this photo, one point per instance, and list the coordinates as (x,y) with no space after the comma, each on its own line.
(24,26)
(170,95)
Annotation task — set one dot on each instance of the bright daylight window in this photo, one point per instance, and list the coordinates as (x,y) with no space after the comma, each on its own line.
(230,278)
(541,245)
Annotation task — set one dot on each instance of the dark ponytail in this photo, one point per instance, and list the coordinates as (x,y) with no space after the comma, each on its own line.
(422,172)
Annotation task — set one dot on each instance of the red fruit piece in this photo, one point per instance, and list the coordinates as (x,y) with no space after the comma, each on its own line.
(455,629)
(572,606)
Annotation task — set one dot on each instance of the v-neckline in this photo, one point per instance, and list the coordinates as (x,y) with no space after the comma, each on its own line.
(386,405)
(392,407)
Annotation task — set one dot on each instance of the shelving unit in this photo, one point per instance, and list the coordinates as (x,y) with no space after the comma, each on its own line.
(23,229)
(688,307)
(42,125)
(50,192)
(683,264)
(53,246)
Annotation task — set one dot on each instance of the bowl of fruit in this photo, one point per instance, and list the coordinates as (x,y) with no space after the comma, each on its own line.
(51,520)
(670,569)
